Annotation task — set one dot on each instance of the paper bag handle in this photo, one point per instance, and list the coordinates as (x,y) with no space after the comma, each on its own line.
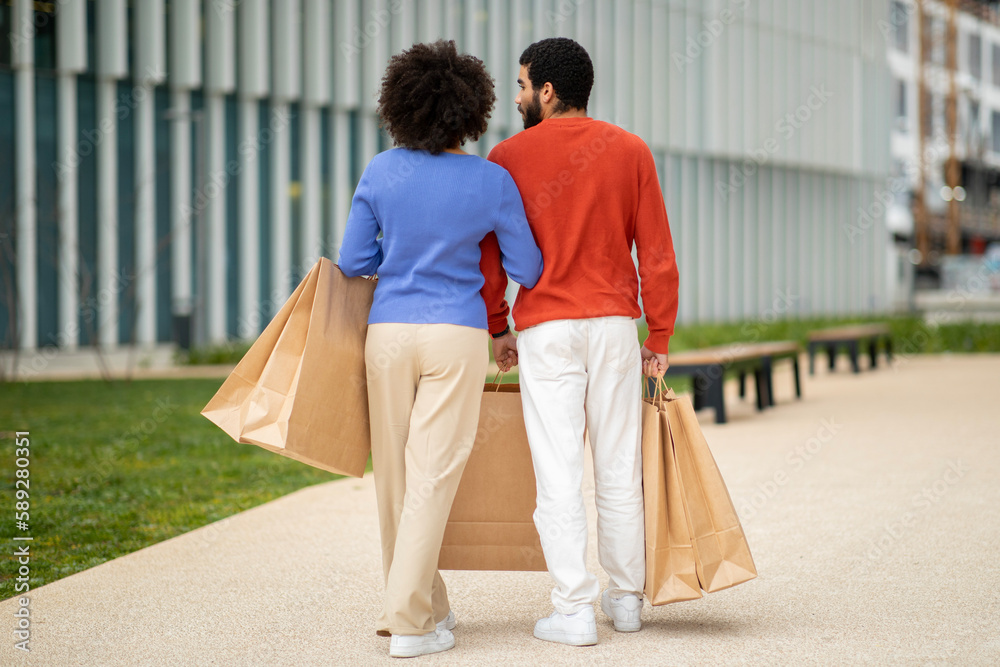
(663,391)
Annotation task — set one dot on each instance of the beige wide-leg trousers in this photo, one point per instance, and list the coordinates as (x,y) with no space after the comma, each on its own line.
(425,383)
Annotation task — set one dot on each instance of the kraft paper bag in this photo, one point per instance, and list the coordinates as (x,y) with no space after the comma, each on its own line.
(491,525)
(671,572)
(301,389)
(228,408)
(722,555)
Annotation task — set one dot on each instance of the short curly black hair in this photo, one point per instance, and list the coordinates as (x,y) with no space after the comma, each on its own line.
(566,65)
(433,98)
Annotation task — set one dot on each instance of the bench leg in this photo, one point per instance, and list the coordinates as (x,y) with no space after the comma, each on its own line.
(698,387)
(852,347)
(760,380)
(888,349)
(798,381)
(812,358)
(831,353)
(716,399)
(743,384)
(767,368)
(873,352)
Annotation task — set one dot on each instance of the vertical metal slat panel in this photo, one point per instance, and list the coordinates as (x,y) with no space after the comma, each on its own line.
(185,45)
(112,39)
(71,36)
(286,54)
(346,70)
(220,56)
(316,52)
(253,43)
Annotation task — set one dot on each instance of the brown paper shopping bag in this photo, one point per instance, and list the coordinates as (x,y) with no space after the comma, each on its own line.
(228,408)
(491,526)
(722,554)
(300,390)
(671,573)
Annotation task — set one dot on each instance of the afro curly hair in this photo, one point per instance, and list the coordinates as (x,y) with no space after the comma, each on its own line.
(566,65)
(433,98)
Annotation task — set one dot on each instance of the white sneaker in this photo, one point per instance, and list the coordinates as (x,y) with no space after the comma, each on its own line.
(625,612)
(410,646)
(578,629)
(448,623)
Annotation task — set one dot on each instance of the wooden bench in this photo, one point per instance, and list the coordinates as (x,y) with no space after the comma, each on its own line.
(770,353)
(707,368)
(851,338)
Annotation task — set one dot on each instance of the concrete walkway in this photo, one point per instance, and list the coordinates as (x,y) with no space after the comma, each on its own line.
(872,507)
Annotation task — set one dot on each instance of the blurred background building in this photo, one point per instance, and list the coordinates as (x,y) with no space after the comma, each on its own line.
(945,61)
(169,169)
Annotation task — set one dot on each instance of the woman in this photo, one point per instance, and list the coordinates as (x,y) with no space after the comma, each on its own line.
(426,351)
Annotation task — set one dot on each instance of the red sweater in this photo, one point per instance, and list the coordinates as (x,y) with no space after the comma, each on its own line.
(589,190)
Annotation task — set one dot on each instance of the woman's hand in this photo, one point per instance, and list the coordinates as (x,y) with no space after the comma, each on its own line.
(505,351)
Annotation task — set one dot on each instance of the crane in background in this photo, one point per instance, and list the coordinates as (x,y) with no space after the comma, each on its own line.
(929,231)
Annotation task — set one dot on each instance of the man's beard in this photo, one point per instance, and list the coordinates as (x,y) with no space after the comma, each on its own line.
(532,113)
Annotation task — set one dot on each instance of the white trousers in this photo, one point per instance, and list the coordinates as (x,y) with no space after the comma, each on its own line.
(577,373)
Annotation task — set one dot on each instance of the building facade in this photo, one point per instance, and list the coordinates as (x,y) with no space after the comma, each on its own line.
(914,124)
(169,169)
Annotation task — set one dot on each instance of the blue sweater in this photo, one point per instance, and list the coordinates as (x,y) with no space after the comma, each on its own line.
(433,211)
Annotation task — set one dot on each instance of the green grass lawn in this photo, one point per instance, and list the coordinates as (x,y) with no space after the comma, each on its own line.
(118,467)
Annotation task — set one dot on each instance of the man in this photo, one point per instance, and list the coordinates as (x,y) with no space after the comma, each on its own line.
(590,190)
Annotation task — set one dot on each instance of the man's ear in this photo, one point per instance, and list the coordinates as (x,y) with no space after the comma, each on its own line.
(548,93)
